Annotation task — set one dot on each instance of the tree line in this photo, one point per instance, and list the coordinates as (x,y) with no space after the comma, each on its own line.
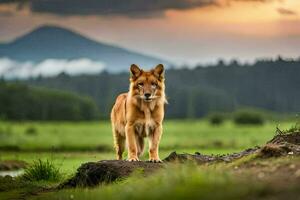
(268,84)
(22,102)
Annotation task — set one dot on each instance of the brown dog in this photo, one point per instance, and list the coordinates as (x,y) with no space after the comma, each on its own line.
(139,113)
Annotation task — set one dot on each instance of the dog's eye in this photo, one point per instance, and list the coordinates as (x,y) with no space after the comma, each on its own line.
(141,84)
(153,85)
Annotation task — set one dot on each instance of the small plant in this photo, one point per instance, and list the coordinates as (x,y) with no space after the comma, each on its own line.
(248,117)
(216,119)
(42,170)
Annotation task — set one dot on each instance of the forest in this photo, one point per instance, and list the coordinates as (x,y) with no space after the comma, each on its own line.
(195,92)
(22,102)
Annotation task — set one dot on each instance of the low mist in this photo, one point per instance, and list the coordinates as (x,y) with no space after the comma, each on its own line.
(10,69)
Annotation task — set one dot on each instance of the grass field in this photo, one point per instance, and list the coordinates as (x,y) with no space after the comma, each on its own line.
(70,144)
(243,179)
(67,145)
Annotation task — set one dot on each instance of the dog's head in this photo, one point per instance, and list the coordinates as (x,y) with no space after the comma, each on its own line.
(147,85)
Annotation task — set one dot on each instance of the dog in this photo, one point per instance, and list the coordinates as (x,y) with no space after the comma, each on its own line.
(139,113)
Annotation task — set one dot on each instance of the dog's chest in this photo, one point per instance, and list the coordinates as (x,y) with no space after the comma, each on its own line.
(144,127)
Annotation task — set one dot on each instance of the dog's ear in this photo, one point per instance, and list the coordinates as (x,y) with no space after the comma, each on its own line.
(159,71)
(135,71)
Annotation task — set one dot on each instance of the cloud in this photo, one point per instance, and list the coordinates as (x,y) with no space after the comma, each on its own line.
(130,8)
(50,67)
(133,8)
(284,11)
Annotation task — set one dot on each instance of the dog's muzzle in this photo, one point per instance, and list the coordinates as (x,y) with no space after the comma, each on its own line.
(147,97)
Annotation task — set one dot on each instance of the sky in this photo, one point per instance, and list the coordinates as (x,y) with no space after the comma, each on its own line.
(181,31)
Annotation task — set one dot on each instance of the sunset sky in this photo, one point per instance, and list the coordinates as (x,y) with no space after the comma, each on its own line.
(182,31)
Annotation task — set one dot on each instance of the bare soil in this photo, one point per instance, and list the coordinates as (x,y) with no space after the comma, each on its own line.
(106,171)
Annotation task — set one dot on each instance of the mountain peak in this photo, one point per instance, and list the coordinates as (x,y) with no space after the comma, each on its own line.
(54,42)
(50,28)
(48,32)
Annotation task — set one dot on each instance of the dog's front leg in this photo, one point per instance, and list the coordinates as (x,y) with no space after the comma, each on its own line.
(154,140)
(131,142)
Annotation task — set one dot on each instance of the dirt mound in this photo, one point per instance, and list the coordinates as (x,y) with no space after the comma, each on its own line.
(292,138)
(201,159)
(273,150)
(106,171)
(7,165)
(281,145)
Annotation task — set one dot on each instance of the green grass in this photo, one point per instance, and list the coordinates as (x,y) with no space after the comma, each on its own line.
(189,181)
(67,145)
(52,135)
(41,170)
(79,142)
(77,136)
(68,162)
(293,128)
(177,182)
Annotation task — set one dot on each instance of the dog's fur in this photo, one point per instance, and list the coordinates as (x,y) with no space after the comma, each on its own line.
(139,114)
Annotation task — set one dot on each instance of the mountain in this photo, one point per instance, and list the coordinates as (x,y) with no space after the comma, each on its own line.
(59,43)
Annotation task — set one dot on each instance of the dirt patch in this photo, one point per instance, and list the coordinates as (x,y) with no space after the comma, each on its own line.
(7,165)
(273,150)
(292,138)
(280,176)
(202,159)
(95,173)
(106,171)
(281,145)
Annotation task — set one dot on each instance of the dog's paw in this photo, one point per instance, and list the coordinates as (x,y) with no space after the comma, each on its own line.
(133,159)
(155,160)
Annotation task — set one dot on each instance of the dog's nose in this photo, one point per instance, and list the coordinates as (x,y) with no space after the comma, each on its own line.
(147,95)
